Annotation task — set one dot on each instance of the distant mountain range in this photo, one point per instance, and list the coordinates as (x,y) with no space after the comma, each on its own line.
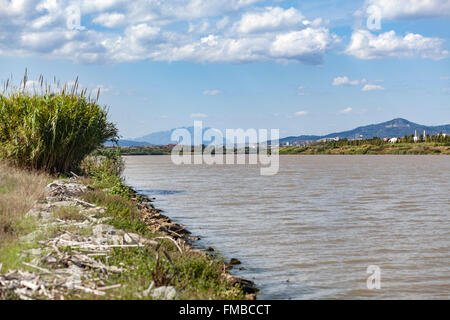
(394,128)
(158,138)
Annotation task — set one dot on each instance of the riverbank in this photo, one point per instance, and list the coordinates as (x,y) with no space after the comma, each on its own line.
(80,241)
(347,148)
(380,149)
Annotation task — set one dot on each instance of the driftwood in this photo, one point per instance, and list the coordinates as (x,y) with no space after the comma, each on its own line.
(114,286)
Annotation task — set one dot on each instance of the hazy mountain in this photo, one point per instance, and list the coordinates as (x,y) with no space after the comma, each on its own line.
(129,143)
(164,137)
(394,128)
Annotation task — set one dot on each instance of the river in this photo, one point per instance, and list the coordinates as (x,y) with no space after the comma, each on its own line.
(312,230)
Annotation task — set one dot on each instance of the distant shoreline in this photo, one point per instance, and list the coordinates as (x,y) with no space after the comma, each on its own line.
(423,148)
(326,148)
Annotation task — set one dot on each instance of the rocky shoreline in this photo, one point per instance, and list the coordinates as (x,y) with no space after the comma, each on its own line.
(65,261)
(158,222)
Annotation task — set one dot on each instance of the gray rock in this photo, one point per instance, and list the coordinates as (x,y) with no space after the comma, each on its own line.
(104,229)
(131,238)
(61,189)
(165,293)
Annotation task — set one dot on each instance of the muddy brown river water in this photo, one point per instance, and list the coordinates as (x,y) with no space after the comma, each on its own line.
(311,231)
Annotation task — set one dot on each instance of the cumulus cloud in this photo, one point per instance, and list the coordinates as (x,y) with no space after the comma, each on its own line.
(307,45)
(212,92)
(372,87)
(366,45)
(409,9)
(345,81)
(151,29)
(269,19)
(301,113)
(110,20)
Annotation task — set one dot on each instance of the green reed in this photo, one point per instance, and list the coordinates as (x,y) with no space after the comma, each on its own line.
(51,130)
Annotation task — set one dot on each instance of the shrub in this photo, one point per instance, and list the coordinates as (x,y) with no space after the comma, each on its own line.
(51,131)
(105,167)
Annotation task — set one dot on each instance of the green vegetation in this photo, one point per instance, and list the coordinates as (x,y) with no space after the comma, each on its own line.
(105,167)
(195,275)
(51,131)
(435,145)
(167,150)
(68,213)
(140,151)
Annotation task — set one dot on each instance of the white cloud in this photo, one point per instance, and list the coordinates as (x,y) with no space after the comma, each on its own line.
(345,81)
(307,45)
(102,88)
(222,23)
(110,20)
(199,115)
(300,92)
(149,30)
(301,113)
(269,19)
(410,9)
(444,78)
(372,87)
(90,6)
(365,45)
(212,92)
(146,10)
(346,110)
(199,28)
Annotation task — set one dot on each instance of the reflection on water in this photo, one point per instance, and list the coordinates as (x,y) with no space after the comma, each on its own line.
(311,231)
(151,192)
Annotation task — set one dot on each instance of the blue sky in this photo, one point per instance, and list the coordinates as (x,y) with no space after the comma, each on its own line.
(305,67)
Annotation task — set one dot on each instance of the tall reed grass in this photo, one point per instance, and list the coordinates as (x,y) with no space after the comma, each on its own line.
(51,130)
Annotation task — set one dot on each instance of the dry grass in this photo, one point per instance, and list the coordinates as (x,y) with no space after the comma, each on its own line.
(19,189)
